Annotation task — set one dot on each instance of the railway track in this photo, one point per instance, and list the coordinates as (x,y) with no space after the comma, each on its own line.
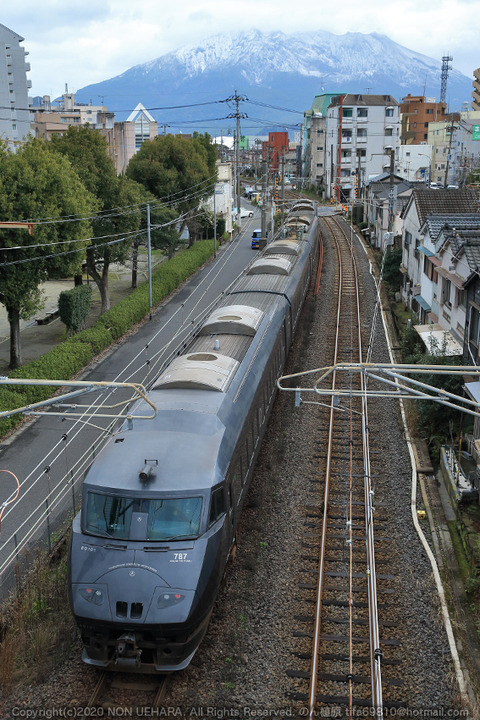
(124,694)
(340,649)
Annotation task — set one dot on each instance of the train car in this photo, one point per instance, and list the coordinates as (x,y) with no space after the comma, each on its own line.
(161,503)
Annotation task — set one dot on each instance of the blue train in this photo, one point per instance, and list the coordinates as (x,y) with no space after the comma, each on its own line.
(162,501)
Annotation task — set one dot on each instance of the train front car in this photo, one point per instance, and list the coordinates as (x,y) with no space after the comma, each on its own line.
(162,501)
(150,544)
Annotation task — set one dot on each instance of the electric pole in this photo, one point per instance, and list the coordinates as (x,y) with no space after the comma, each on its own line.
(264,199)
(237,99)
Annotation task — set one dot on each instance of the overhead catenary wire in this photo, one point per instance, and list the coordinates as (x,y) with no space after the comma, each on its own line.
(128,372)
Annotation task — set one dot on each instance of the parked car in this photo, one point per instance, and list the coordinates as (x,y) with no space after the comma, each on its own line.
(256,236)
(246,213)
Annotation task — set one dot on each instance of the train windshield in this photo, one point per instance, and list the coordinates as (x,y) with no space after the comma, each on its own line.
(166,518)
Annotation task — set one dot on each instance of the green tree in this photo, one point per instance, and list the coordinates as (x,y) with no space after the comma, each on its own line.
(391,269)
(434,420)
(178,170)
(119,199)
(36,182)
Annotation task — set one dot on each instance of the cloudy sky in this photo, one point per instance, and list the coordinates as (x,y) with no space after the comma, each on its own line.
(79,42)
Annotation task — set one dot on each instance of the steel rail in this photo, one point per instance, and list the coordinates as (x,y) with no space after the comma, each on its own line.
(320,583)
(374,631)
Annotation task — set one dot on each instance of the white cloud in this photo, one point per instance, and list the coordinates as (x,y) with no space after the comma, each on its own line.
(81,42)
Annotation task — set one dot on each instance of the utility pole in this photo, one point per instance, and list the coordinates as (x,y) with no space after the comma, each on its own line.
(451,127)
(264,199)
(237,99)
(391,195)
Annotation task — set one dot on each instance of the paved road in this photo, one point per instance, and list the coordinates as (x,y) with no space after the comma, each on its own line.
(51,454)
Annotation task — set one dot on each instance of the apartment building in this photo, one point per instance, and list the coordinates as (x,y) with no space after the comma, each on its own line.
(476,90)
(314,140)
(440,137)
(14,87)
(416,112)
(52,120)
(362,134)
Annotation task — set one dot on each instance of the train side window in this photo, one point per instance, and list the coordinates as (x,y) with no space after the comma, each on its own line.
(217,505)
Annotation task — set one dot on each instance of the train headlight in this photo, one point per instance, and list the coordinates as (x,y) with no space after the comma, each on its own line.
(166,600)
(93,595)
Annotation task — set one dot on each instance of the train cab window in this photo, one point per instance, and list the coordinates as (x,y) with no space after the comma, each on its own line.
(109,515)
(172,518)
(217,505)
(167,518)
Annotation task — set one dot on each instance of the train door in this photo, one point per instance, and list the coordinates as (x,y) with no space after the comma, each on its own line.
(220,506)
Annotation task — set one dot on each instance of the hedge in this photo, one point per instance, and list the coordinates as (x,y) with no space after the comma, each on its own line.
(65,360)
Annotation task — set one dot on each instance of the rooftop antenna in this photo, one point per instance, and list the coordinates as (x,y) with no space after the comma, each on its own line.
(445,68)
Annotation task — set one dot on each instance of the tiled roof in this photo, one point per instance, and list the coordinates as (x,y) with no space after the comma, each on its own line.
(469,241)
(352,99)
(443,202)
(382,190)
(459,221)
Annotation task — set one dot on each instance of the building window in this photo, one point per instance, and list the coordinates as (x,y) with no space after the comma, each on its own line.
(474,325)
(347,112)
(388,112)
(361,152)
(362,112)
(430,270)
(319,132)
(446,287)
(460,298)
(362,132)
(388,132)
(408,238)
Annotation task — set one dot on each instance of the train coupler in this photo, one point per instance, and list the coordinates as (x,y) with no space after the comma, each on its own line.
(127,652)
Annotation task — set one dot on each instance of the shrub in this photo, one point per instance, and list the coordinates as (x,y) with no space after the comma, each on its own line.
(74,306)
(67,359)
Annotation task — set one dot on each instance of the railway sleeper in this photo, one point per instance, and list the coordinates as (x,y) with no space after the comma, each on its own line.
(344,658)
(344,573)
(344,700)
(345,621)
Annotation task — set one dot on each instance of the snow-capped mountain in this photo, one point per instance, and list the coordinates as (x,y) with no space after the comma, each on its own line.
(275,69)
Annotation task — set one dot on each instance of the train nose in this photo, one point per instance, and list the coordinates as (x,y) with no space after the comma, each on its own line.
(138,595)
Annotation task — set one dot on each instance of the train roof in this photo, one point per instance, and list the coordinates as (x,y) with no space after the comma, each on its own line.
(204,394)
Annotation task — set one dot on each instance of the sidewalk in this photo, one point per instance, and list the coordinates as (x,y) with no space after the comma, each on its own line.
(37,339)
